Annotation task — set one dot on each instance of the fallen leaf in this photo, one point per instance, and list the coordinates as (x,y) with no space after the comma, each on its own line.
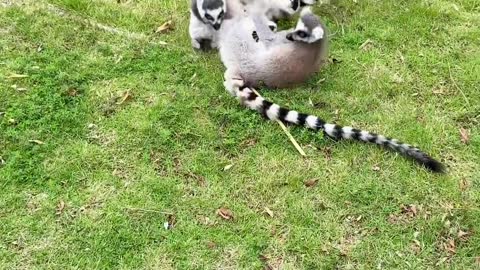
(328,153)
(450,246)
(228,167)
(376,168)
(17,76)
(463,184)
(265,260)
(410,210)
(462,235)
(170,223)
(60,207)
(165,27)
(211,245)
(36,142)
(310,183)
(464,134)
(268,211)
(416,247)
(225,213)
(125,97)
(72,91)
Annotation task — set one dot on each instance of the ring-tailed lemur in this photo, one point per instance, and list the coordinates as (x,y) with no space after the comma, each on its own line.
(273,59)
(207,16)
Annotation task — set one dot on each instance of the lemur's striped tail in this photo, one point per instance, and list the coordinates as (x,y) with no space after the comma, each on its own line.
(274,112)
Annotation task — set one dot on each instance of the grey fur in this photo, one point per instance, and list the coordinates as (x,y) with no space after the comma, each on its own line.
(274,61)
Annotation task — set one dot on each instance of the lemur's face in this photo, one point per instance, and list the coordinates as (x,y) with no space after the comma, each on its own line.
(308,29)
(212,12)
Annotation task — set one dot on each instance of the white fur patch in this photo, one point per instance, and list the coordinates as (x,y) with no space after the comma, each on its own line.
(318,32)
(364,135)
(347,132)
(380,139)
(311,121)
(257,103)
(292,117)
(272,112)
(329,128)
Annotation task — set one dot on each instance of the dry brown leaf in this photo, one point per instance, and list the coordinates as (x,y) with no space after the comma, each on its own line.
(328,153)
(172,220)
(450,246)
(125,97)
(60,207)
(165,27)
(310,183)
(211,245)
(416,247)
(464,136)
(36,142)
(12,121)
(462,235)
(72,91)
(265,260)
(268,211)
(463,184)
(409,210)
(225,213)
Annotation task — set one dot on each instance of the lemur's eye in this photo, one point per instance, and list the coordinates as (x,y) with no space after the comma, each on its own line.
(302,34)
(221,14)
(210,18)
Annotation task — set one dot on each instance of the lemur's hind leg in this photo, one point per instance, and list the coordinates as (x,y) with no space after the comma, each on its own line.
(233,81)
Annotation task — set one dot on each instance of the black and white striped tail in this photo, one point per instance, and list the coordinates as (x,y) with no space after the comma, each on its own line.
(275,112)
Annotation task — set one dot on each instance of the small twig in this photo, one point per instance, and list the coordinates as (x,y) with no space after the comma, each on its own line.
(289,135)
(458,87)
(147,210)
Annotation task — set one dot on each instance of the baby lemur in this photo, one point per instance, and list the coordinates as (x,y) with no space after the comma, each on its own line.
(253,55)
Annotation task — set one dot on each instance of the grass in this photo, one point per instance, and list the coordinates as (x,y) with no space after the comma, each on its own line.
(110,173)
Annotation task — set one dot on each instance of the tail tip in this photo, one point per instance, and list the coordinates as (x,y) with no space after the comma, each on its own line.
(434,166)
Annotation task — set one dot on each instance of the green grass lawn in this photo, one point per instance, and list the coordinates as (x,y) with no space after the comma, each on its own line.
(111,134)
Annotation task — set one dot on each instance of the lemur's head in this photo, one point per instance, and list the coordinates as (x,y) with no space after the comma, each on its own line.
(212,12)
(309,29)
